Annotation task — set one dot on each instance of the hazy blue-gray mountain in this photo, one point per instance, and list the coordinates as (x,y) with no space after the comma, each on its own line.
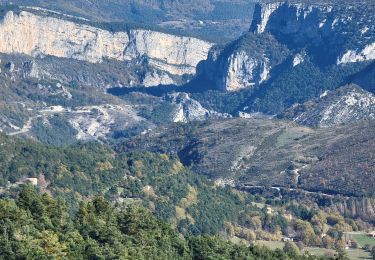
(294,51)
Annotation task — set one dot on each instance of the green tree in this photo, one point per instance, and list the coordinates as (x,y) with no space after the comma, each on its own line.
(291,249)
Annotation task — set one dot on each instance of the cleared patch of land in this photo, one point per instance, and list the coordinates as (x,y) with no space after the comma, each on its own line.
(363,239)
(353,254)
(279,245)
(358,254)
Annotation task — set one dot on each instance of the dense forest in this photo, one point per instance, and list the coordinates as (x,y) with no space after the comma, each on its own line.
(37,226)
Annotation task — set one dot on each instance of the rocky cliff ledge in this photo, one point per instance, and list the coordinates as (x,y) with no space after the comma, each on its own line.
(343,32)
(39,36)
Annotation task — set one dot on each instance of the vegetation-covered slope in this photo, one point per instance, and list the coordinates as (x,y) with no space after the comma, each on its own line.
(274,153)
(185,200)
(159,182)
(344,105)
(39,227)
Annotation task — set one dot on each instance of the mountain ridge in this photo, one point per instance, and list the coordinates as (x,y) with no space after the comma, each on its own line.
(342,106)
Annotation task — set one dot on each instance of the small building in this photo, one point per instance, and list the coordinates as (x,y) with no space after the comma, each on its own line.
(33,181)
(287,239)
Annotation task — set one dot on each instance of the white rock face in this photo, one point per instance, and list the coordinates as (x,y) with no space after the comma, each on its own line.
(243,72)
(298,59)
(174,54)
(154,78)
(300,17)
(188,109)
(268,9)
(345,105)
(368,53)
(34,35)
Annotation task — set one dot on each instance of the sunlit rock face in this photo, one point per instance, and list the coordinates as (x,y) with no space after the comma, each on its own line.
(245,63)
(38,36)
(188,109)
(244,71)
(344,105)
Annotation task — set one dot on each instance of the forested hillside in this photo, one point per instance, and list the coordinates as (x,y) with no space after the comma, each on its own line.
(161,183)
(38,226)
(187,201)
(272,152)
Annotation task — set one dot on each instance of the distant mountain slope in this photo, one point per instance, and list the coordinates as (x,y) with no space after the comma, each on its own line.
(294,51)
(344,105)
(59,101)
(248,152)
(214,20)
(331,32)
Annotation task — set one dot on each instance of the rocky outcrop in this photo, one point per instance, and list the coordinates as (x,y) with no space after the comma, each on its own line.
(285,34)
(329,28)
(367,53)
(38,36)
(245,63)
(332,108)
(188,109)
(244,71)
(30,69)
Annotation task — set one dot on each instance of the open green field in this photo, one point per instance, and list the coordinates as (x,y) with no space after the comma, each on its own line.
(313,250)
(271,244)
(358,254)
(362,239)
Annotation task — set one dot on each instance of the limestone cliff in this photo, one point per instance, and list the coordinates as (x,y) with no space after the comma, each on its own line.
(244,71)
(245,63)
(338,32)
(285,34)
(39,36)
